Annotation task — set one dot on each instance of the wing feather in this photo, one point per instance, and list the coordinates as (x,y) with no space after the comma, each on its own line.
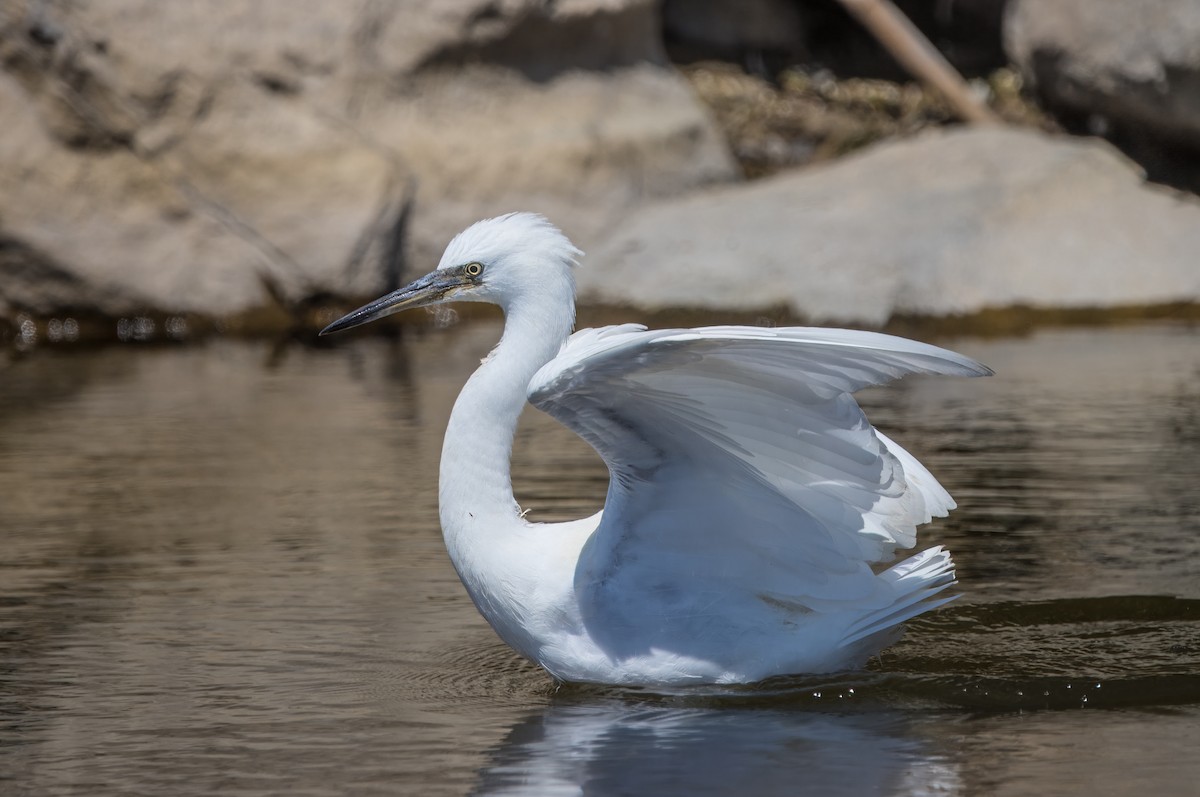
(740,451)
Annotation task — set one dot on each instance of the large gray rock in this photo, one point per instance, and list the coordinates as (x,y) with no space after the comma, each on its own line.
(946,223)
(181,156)
(1133,63)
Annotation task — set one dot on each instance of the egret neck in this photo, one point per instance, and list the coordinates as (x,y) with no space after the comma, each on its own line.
(475,489)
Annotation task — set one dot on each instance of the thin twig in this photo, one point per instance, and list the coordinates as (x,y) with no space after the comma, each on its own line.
(900,37)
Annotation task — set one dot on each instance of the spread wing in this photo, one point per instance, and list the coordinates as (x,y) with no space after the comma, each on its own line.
(738,456)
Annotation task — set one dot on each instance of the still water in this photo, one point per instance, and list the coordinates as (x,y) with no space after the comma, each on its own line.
(221,573)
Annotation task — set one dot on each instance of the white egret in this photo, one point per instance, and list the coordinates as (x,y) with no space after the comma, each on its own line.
(750,503)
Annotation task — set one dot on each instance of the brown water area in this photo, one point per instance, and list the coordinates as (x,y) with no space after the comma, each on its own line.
(221,572)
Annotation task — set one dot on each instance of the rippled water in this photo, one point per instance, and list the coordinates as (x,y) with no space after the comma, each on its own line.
(221,572)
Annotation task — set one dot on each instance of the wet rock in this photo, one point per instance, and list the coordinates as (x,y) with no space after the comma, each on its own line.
(950,222)
(1114,62)
(210,158)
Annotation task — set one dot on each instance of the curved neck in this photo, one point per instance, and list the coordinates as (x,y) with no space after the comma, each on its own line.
(475,487)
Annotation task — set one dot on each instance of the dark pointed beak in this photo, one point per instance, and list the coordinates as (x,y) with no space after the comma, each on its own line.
(430,289)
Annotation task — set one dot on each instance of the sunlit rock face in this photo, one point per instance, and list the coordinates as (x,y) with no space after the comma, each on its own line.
(944,223)
(182,156)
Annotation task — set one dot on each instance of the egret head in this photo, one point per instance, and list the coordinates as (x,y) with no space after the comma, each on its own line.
(494,260)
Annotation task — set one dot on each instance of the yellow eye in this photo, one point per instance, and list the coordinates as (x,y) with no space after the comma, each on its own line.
(473,269)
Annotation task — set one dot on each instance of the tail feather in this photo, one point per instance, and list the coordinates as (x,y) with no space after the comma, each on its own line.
(916,581)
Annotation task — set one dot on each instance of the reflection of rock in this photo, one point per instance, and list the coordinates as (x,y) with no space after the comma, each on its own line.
(170,155)
(948,222)
(620,748)
(1137,64)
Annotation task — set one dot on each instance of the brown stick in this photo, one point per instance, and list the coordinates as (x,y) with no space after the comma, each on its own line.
(917,54)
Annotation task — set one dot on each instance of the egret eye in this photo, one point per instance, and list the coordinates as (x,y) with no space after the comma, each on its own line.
(473,269)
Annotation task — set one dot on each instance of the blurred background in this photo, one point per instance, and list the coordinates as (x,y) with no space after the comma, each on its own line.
(168,168)
(221,567)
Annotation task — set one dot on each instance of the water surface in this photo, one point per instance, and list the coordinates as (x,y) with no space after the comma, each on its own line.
(221,572)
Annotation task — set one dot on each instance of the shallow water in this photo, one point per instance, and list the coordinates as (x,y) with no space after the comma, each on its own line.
(221,572)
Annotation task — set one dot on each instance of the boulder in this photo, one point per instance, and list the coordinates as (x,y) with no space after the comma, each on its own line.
(202,156)
(949,222)
(1133,64)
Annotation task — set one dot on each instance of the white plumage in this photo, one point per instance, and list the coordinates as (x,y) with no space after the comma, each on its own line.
(750,502)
